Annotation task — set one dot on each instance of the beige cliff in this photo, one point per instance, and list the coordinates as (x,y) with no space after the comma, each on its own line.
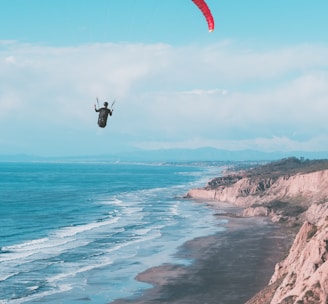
(298,198)
(303,276)
(247,191)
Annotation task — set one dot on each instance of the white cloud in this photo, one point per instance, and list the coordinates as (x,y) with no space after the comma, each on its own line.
(10,59)
(217,95)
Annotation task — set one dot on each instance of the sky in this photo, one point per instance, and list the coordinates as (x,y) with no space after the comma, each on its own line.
(258,82)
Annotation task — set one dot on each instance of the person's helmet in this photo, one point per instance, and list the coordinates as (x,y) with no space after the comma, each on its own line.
(105,103)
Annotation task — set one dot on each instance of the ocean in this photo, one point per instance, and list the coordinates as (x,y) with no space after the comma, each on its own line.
(75,232)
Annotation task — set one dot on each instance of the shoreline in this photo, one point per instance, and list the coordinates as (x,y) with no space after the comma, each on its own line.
(229,267)
(292,192)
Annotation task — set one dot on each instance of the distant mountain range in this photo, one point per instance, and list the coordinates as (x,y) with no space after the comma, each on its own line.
(176,155)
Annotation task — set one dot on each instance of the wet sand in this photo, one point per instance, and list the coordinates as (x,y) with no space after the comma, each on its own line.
(229,267)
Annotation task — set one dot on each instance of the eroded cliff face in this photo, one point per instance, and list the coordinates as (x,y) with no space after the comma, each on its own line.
(303,276)
(301,199)
(247,191)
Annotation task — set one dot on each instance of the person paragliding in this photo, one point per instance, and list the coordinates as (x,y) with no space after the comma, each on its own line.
(103,113)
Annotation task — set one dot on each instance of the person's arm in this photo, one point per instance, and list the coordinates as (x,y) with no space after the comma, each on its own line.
(96,109)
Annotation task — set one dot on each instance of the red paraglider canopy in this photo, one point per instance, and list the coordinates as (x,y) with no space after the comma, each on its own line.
(206,12)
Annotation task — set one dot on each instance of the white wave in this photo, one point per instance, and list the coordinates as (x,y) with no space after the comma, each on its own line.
(24,245)
(174,209)
(69,270)
(32,288)
(78,270)
(24,252)
(58,242)
(142,231)
(5,277)
(51,248)
(132,210)
(114,201)
(57,290)
(154,235)
(74,230)
(30,255)
(146,231)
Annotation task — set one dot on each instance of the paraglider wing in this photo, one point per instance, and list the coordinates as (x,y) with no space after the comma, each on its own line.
(206,12)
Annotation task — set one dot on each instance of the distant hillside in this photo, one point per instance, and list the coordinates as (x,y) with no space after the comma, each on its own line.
(291,166)
(176,155)
(212,154)
(272,170)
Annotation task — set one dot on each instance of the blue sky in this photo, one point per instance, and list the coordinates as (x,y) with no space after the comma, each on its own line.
(259,81)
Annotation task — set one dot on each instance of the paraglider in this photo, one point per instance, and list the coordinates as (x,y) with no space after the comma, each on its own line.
(201,4)
(103,113)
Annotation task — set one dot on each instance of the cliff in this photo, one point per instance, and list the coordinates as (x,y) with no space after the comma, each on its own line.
(282,194)
(297,195)
(247,191)
(302,277)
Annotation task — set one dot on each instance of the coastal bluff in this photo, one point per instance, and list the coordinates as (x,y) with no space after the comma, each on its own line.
(293,192)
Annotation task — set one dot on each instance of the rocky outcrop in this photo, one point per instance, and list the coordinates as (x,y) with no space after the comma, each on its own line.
(301,188)
(299,199)
(303,276)
(284,199)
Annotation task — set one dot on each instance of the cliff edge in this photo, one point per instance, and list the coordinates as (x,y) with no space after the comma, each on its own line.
(293,192)
(282,190)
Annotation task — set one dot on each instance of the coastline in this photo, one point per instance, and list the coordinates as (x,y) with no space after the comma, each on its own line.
(275,248)
(228,267)
(294,193)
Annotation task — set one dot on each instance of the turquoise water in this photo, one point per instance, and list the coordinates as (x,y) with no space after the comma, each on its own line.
(75,232)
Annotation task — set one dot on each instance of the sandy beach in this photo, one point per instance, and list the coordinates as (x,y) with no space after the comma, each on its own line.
(228,268)
(284,212)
